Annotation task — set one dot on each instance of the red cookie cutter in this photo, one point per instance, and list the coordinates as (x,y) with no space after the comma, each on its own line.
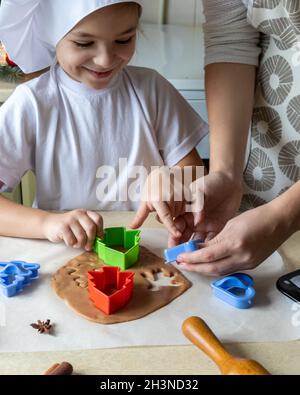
(110,289)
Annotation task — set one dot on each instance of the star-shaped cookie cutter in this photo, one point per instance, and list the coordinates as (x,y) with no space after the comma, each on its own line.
(15,275)
(118,236)
(110,289)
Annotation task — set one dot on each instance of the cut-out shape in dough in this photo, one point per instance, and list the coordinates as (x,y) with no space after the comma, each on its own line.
(159,280)
(143,302)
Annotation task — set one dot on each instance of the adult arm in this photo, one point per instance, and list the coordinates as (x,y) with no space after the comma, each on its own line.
(230,68)
(231,58)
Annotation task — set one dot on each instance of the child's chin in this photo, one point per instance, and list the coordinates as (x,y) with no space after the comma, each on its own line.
(96,85)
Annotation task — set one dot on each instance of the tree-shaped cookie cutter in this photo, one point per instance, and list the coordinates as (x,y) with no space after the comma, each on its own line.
(16,275)
(118,236)
(110,289)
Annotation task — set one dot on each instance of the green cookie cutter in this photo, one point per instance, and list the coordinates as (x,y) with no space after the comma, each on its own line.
(129,239)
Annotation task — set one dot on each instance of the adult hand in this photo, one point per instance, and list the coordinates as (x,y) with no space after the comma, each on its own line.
(245,242)
(222,197)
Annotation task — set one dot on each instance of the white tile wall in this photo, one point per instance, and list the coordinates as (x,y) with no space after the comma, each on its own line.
(179,12)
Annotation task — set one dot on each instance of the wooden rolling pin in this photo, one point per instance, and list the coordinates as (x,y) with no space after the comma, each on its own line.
(196,330)
(59,369)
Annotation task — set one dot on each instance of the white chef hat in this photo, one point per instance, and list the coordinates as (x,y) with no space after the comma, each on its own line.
(31,29)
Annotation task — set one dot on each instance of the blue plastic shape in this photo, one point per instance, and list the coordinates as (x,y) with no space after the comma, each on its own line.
(16,275)
(171,254)
(236,289)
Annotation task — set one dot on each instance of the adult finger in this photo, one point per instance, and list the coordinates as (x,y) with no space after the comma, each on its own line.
(206,254)
(209,236)
(217,269)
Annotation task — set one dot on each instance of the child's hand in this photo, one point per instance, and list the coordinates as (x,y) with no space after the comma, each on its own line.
(158,197)
(77,228)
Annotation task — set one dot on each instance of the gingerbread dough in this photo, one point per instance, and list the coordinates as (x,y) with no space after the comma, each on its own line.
(70,284)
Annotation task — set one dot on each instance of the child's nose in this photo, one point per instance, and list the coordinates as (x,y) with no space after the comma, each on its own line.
(105,58)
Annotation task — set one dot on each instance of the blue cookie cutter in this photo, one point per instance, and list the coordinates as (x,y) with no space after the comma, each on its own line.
(235,289)
(171,254)
(16,275)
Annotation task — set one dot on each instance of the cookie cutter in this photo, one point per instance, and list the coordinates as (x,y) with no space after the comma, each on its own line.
(171,254)
(118,236)
(110,289)
(16,275)
(235,289)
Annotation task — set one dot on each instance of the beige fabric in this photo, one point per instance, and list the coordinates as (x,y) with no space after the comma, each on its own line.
(228,35)
(231,32)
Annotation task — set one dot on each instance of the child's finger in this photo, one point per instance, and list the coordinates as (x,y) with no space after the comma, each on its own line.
(198,217)
(79,233)
(158,219)
(140,216)
(174,241)
(181,226)
(68,237)
(179,208)
(163,211)
(90,229)
(98,220)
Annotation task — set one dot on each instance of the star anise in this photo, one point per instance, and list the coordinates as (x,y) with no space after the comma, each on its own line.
(42,326)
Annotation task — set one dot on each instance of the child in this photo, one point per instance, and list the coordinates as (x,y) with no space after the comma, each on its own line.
(73,124)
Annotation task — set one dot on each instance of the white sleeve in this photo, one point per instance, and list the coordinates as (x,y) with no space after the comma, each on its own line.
(228,36)
(178,126)
(17,142)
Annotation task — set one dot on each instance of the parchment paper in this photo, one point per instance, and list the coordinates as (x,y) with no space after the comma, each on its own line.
(272,318)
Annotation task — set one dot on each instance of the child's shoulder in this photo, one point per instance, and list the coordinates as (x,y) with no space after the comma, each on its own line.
(145,75)
(37,87)
(142,71)
(149,82)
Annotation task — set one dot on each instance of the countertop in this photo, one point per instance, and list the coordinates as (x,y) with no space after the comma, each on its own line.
(277,357)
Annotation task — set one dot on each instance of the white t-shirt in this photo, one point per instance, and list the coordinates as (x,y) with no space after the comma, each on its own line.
(66,133)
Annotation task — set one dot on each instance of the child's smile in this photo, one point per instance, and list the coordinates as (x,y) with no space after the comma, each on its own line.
(99,74)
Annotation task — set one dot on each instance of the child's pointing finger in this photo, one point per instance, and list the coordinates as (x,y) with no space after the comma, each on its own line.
(140,216)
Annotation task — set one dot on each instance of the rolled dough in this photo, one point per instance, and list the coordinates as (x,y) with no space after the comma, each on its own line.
(70,284)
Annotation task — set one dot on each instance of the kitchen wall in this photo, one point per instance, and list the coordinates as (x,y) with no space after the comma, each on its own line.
(182,12)
(179,12)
